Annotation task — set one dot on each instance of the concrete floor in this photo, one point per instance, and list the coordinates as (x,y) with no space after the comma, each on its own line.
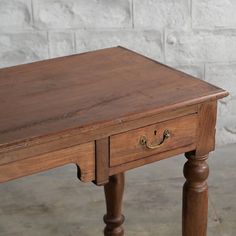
(56,203)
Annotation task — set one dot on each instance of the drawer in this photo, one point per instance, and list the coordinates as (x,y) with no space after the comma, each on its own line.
(153,139)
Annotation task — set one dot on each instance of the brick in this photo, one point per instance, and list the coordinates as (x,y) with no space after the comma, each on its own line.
(222,75)
(15,14)
(82,13)
(161,13)
(227,109)
(61,43)
(147,42)
(230,120)
(190,47)
(226,130)
(214,13)
(226,125)
(224,137)
(19,48)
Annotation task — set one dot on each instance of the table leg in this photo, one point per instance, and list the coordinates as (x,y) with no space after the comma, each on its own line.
(195,195)
(114,194)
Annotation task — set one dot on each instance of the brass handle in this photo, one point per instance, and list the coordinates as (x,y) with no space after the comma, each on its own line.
(144,141)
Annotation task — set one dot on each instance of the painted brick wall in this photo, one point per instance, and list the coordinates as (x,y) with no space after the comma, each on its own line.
(196,36)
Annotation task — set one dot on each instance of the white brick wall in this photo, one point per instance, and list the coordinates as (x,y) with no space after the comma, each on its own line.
(196,36)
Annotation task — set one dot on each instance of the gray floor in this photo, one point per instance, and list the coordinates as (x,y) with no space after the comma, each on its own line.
(55,203)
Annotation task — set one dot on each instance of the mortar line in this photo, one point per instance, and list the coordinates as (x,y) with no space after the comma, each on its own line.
(132,6)
(204,71)
(191,13)
(49,51)
(32,13)
(75,44)
(164,44)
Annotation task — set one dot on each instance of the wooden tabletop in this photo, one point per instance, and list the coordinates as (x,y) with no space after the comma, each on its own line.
(92,89)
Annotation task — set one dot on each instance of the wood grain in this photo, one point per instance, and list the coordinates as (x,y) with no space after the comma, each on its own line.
(91,89)
(79,136)
(126,147)
(114,190)
(207,113)
(102,161)
(65,110)
(196,171)
(150,159)
(195,196)
(82,155)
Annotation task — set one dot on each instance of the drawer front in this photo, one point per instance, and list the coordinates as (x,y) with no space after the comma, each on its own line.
(153,139)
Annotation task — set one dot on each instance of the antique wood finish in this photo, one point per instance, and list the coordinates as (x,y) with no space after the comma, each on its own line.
(126,147)
(102,161)
(74,137)
(196,171)
(99,89)
(114,193)
(82,155)
(150,159)
(195,196)
(206,130)
(92,109)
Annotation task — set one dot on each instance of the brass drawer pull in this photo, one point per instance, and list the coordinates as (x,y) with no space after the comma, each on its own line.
(144,141)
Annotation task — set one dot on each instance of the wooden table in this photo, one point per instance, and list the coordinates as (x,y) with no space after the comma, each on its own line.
(108,111)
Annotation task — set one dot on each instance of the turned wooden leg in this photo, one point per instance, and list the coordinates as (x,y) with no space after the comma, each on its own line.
(114,194)
(195,195)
